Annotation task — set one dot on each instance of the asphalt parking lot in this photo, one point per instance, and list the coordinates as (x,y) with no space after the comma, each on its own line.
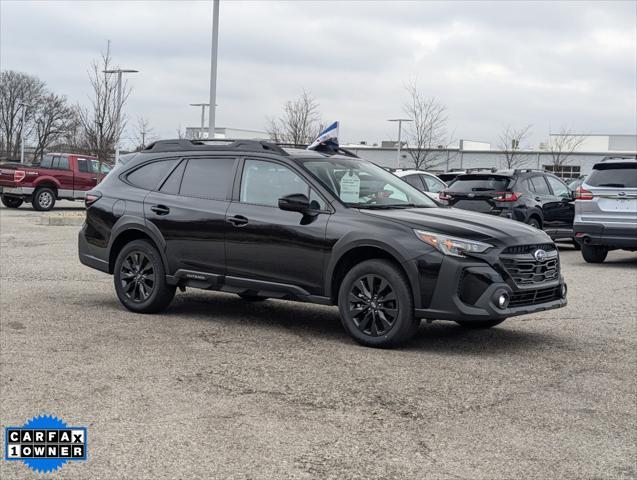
(220,388)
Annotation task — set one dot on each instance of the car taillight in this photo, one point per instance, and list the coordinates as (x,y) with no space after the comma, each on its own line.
(442,195)
(91,197)
(583,194)
(507,196)
(18,175)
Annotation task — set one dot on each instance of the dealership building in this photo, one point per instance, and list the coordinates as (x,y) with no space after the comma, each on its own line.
(467,154)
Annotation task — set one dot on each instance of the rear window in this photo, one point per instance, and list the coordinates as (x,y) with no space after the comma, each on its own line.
(622,175)
(480,183)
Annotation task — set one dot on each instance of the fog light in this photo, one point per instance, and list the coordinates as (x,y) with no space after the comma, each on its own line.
(563,290)
(503,300)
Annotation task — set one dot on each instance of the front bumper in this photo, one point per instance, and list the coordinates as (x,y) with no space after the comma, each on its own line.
(449,300)
(605,235)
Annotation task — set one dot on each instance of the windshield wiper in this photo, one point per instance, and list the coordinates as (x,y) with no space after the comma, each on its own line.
(482,189)
(618,185)
(386,206)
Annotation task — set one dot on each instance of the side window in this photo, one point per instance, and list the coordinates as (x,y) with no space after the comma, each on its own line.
(414,181)
(46,161)
(208,178)
(316,201)
(173,182)
(559,189)
(148,176)
(263,183)
(433,184)
(82,165)
(539,185)
(63,163)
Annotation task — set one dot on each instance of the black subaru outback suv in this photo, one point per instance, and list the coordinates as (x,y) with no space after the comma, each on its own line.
(261,221)
(535,197)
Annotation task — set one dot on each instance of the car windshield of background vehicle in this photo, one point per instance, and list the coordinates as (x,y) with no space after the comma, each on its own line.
(361,184)
(618,176)
(480,183)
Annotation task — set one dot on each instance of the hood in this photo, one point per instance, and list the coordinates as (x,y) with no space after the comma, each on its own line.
(466,224)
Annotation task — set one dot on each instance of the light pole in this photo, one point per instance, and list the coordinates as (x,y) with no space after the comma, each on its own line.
(213,68)
(400,125)
(119,72)
(23,106)
(203,115)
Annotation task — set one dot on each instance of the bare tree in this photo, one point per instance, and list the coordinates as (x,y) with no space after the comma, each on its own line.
(181,133)
(427,132)
(16,89)
(143,133)
(52,120)
(300,123)
(510,141)
(98,123)
(562,146)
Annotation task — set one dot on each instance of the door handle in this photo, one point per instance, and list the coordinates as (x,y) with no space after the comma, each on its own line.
(237,221)
(160,209)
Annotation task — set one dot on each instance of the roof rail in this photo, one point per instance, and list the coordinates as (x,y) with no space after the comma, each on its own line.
(182,144)
(324,148)
(620,157)
(527,170)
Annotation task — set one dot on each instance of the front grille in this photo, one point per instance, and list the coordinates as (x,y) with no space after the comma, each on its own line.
(535,297)
(526,270)
(547,247)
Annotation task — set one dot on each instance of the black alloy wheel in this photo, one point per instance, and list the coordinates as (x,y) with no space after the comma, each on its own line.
(373,305)
(137,276)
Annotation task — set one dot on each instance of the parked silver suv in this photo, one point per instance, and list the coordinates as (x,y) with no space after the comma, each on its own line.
(606,209)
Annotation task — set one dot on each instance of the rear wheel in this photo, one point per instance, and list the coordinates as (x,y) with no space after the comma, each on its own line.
(43,199)
(480,324)
(11,202)
(140,280)
(534,222)
(376,304)
(594,253)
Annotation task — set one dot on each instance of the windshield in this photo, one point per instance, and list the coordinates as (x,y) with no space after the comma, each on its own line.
(619,175)
(480,183)
(362,184)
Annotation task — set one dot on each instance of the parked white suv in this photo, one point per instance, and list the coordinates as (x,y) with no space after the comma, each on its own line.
(426,182)
(606,209)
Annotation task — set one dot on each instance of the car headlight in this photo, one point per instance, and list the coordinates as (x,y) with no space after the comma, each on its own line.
(452,245)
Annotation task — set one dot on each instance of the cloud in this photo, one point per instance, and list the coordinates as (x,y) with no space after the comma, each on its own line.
(492,63)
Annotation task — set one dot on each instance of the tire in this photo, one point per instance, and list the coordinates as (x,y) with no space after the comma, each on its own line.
(140,280)
(480,324)
(534,222)
(43,199)
(594,253)
(11,202)
(373,294)
(251,298)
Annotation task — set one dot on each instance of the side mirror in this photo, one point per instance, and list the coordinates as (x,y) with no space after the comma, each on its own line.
(296,202)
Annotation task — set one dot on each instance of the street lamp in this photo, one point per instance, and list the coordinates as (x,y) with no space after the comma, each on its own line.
(400,125)
(23,106)
(119,72)
(213,68)
(203,114)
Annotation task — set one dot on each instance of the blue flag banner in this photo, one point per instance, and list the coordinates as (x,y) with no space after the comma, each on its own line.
(329,136)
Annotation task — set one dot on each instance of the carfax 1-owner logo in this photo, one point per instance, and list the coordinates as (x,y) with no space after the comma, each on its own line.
(45,443)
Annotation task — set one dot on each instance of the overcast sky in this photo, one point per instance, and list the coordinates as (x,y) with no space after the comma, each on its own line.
(492,64)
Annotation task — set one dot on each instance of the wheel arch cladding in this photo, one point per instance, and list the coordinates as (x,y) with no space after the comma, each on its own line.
(356,255)
(123,239)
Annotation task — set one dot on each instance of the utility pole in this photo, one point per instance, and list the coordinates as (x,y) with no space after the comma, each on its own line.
(24,108)
(119,72)
(400,125)
(203,115)
(213,68)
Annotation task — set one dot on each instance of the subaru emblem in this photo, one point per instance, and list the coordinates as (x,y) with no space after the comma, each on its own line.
(540,255)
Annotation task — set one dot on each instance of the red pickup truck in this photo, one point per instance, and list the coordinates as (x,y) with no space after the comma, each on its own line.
(58,176)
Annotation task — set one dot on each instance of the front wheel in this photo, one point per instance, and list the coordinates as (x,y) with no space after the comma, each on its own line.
(11,202)
(594,253)
(480,324)
(534,222)
(43,199)
(140,281)
(376,304)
